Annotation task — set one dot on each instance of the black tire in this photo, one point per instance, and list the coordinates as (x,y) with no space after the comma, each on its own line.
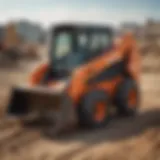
(122,98)
(87,108)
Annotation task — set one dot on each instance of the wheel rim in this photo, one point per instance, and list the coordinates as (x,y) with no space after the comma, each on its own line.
(132,98)
(100,112)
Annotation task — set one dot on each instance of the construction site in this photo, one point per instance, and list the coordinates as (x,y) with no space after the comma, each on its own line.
(124,138)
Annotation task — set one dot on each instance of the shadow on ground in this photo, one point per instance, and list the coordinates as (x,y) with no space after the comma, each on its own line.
(118,129)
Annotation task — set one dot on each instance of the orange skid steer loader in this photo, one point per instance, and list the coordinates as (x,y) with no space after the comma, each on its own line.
(87,74)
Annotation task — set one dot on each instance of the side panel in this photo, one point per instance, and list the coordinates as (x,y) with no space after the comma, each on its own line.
(108,74)
(101,73)
(109,78)
(108,86)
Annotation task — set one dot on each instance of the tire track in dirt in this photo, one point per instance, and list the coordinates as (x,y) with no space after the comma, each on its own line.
(14,136)
(69,155)
(118,130)
(93,140)
(91,144)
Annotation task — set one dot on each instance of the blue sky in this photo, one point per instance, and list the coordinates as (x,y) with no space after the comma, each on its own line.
(50,11)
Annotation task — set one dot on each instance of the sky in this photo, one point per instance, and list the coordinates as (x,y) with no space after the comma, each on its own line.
(47,12)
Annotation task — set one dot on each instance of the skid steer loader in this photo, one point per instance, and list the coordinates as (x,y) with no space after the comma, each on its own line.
(87,74)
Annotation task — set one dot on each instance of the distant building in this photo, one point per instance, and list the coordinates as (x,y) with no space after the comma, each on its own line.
(152,29)
(132,27)
(30,32)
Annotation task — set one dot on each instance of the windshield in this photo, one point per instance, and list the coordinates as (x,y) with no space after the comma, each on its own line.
(63,45)
(64,56)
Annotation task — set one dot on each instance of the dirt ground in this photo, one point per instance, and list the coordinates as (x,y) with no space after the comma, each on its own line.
(124,138)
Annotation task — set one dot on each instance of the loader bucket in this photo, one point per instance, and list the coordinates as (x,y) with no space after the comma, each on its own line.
(56,105)
(27,100)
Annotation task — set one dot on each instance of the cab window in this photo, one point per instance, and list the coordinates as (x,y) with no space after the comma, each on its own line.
(99,42)
(83,41)
(95,42)
(105,41)
(63,44)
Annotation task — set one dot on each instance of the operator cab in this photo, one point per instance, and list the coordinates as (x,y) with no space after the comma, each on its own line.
(74,45)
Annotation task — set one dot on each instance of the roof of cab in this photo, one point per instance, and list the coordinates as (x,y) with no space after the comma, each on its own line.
(82,26)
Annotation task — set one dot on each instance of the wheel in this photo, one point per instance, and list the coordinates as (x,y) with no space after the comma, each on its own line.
(127,98)
(94,110)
